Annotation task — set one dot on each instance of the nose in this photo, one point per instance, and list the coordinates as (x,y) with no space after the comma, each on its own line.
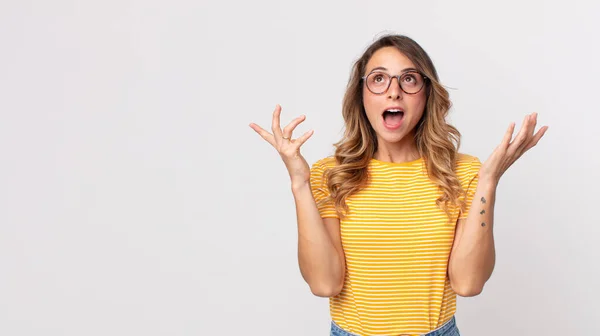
(394,91)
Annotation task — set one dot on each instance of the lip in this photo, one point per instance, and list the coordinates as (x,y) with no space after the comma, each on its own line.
(393,108)
(393,128)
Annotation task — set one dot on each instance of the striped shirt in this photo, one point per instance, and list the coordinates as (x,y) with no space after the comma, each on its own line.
(397,242)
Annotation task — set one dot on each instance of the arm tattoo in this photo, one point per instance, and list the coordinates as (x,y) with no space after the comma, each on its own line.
(482,211)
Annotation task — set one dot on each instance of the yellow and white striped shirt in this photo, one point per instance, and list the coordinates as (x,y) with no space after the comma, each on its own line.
(397,242)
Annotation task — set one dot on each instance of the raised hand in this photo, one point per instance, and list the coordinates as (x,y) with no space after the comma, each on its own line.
(288,148)
(510,151)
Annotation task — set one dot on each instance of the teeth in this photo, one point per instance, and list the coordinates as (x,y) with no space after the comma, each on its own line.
(394,110)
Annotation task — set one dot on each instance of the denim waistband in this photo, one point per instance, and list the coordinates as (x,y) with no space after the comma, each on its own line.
(447,329)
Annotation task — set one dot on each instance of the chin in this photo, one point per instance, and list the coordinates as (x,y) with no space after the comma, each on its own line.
(392,138)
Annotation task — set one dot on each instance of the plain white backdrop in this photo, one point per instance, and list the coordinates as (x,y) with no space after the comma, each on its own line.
(135,199)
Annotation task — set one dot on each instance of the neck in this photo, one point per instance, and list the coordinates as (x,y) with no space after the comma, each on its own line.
(397,152)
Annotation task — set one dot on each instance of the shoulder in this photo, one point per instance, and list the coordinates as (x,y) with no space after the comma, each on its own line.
(466,159)
(467,166)
(324,163)
(317,170)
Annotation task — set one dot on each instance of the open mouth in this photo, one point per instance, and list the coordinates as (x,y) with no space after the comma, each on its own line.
(392,118)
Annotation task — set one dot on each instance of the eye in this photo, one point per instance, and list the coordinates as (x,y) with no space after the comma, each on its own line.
(378,78)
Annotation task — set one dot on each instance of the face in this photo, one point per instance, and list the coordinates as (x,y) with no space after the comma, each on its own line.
(392,127)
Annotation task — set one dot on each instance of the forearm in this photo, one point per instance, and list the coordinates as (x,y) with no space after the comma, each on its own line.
(472,262)
(320,263)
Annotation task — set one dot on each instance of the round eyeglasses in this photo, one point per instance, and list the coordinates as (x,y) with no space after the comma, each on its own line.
(411,82)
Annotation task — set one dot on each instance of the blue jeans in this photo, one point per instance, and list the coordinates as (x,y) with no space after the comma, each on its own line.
(448,329)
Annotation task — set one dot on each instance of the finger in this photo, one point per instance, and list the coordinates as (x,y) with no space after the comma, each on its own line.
(264,134)
(520,137)
(537,137)
(275,127)
(534,123)
(531,123)
(301,140)
(533,142)
(508,135)
(289,129)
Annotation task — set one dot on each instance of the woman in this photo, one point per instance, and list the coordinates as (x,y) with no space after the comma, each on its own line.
(397,222)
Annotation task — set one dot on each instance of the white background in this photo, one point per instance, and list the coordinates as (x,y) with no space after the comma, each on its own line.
(135,199)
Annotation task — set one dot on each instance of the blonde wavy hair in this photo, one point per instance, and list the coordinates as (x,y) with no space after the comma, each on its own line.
(437,141)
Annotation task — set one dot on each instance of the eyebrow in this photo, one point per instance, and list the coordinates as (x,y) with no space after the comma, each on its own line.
(385,69)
